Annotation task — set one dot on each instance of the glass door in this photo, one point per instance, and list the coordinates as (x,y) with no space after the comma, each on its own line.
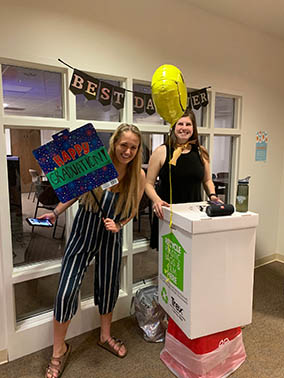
(33,105)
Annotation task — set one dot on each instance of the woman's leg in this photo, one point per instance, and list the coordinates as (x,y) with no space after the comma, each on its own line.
(74,264)
(106,335)
(59,346)
(105,326)
(59,333)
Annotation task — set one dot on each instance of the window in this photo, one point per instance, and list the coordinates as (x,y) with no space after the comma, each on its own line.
(145,262)
(31,195)
(225,143)
(32,92)
(224,112)
(144,118)
(222,166)
(145,265)
(94,110)
(35,296)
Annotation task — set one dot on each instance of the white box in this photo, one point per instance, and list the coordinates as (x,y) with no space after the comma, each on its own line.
(208,288)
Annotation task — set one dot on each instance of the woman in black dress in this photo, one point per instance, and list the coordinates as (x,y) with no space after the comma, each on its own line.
(189,168)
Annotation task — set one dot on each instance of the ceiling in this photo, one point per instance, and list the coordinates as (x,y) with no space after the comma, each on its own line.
(262,15)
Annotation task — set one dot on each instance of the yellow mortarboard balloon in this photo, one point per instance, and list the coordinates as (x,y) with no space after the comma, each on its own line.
(169,92)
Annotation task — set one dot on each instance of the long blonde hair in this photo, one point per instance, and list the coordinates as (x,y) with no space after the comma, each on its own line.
(128,187)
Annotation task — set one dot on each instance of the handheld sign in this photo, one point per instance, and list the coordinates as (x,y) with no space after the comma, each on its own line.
(76,162)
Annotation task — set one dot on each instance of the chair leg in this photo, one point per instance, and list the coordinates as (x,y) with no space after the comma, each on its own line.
(150,217)
(30,190)
(139,222)
(150,213)
(54,229)
(63,232)
(35,212)
(36,208)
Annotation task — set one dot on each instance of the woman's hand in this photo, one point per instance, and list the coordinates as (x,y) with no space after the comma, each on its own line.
(110,225)
(157,208)
(60,208)
(215,199)
(50,216)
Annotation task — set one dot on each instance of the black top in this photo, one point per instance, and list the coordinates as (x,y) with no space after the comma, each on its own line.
(187,177)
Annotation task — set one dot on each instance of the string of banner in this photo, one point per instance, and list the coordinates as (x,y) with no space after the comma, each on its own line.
(108,94)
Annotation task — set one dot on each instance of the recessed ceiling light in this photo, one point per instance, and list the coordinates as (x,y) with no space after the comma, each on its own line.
(16,88)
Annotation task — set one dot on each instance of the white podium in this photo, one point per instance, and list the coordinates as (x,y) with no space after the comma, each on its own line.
(206,269)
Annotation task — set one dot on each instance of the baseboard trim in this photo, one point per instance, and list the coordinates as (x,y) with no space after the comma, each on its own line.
(3,356)
(269,259)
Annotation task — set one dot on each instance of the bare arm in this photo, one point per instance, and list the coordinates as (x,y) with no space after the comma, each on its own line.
(112,226)
(156,162)
(59,209)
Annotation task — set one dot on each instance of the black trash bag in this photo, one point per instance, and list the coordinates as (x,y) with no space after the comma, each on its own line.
(150,316)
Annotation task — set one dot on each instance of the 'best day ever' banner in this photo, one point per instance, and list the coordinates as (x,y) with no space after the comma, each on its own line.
(108,94)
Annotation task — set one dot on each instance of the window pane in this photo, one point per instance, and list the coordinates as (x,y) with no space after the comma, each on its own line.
(32,92)
(145,265)
(199,116)
(94,110)
(142,223)
(105,137)
(87,287)
(202,140)
(224,112)
(144,117)
(221,166)
(30,196)
(35,297)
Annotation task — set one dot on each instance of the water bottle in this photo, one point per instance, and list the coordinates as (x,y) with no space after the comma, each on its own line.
(242,195)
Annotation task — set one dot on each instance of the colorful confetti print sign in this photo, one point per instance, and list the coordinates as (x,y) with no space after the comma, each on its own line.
(76,162)
(261,145)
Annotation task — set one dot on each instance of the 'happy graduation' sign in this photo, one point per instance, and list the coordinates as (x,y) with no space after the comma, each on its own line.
(76,162)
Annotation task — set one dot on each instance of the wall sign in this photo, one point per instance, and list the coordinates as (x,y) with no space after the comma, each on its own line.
(261,145)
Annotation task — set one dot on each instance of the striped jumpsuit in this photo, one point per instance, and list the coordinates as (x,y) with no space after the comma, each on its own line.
(89,239)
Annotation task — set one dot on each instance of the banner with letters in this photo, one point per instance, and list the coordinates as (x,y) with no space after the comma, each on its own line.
(108,94)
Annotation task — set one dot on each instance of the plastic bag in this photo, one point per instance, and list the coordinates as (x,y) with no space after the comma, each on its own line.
(150,316)
(212,356)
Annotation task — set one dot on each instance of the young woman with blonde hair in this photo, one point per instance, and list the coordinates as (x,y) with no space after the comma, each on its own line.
(96,236)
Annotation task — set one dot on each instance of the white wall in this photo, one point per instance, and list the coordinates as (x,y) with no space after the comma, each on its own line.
(133,38)
(129,38)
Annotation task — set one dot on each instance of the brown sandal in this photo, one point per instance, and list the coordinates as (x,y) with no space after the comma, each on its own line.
(106,345)
(58,369)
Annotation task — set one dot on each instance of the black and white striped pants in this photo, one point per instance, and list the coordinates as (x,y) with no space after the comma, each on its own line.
(90,239)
